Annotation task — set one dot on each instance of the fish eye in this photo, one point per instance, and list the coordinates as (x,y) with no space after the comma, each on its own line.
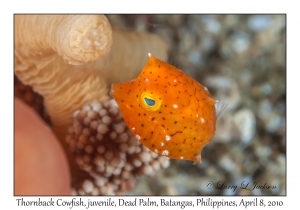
(150,102)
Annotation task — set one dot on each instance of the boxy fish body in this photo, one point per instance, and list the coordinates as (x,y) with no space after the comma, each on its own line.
(167,111)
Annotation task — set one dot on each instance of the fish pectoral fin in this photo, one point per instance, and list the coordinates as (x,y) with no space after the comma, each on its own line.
(220,107)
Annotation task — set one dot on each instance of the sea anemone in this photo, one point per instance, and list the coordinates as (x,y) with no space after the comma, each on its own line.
(106,149)
(71,59)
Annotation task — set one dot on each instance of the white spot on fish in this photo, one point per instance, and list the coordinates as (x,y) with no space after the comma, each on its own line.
(181,158)
(138,137)
(175,80)
(162,144)
(175,106)
(168,138)
(165,152)
(202,120)
(197,115)
(133,128)
(146,79)
(155,151)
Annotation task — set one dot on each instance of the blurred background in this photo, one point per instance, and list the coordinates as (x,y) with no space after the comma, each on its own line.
(241,59)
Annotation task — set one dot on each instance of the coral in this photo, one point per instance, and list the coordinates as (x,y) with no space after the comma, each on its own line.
(42,56)
(44,52)
(107,150)
(71,59)
(31,98)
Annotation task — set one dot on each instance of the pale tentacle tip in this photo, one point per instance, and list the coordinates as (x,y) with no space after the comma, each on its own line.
(149,54)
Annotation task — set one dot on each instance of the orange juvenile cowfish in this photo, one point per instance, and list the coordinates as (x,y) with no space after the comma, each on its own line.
(167,111)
